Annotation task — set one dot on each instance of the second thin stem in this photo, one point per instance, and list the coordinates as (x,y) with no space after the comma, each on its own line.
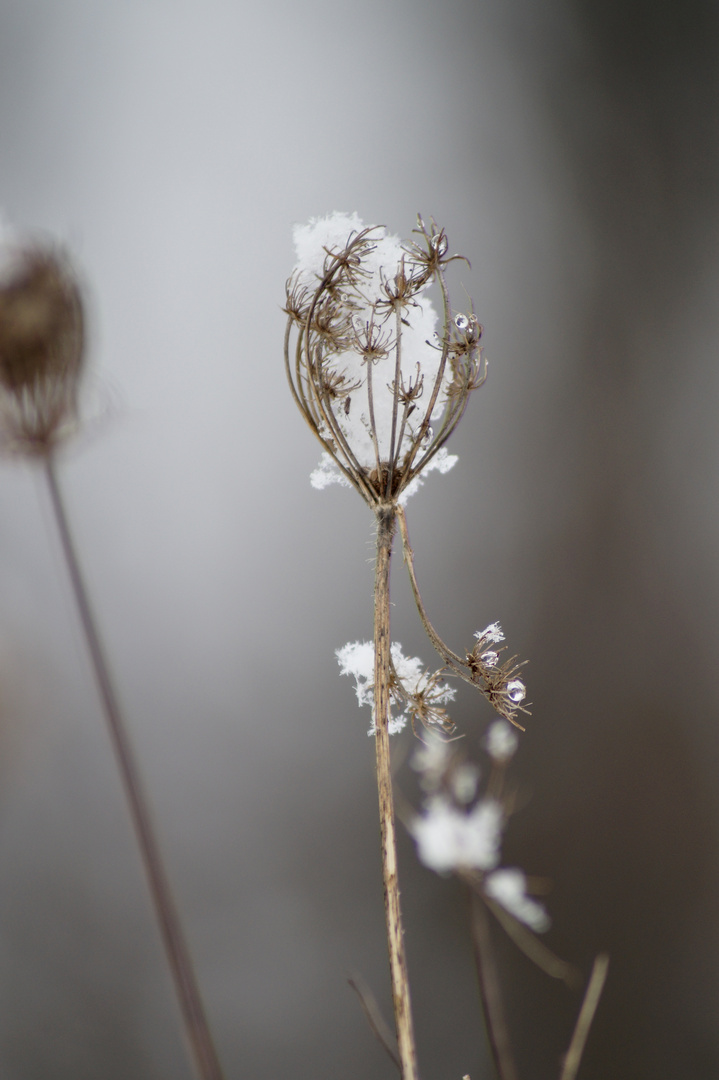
(178,955)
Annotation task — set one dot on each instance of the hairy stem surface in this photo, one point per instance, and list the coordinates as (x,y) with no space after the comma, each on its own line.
(178,956)
(382,669)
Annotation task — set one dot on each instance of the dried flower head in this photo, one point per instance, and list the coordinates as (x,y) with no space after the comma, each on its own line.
(41,348)
(380,388)
(497,679)
(415,694)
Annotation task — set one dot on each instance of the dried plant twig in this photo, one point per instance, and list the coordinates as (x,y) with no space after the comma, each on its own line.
(194,1018)
(593,993)
(490,993)
(376,1021)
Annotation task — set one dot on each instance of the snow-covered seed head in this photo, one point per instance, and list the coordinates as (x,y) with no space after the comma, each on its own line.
(380,388)
(41,347)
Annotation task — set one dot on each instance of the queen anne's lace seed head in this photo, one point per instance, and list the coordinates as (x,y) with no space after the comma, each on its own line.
(377,384)
(41,346)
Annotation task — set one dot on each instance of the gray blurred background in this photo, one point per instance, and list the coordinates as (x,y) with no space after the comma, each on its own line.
(571,152)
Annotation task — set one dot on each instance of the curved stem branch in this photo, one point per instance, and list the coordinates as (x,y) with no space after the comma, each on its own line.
(444,651)
(194,1019)
(393,914)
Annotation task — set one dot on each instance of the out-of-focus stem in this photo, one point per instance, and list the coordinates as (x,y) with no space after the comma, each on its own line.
(586,1016)
(490,994)
(393,914)
(194,1019)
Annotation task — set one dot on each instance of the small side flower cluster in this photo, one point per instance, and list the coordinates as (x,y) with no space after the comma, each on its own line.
(460,830)
(380,387)
(497,680)
(415,694)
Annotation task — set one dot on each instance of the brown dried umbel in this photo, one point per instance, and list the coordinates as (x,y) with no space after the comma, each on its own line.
(41,349)
(358,315)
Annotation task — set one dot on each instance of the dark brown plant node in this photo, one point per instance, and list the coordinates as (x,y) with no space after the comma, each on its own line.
(41,349)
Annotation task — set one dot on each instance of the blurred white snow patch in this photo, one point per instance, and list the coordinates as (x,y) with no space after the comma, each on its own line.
(450,839)
(509,888)
(501,741)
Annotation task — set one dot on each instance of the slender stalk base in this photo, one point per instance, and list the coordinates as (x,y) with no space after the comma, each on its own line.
(178,956)
(395,933)
(492,1006)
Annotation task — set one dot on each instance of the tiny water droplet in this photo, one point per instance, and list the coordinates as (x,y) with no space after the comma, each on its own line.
(461,322)
(516,690)
(490,658)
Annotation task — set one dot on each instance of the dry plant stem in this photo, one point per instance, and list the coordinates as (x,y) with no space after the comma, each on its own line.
(490,994)
(178,956)
(382,662)
(586,1016)
(374,1018)
(450,658)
